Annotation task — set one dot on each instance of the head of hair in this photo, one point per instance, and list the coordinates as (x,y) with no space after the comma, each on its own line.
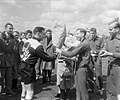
(38,29)
(49,30)
(21,33)
(28,31)
(8,24)
(116,22)
(16,32)
(94,30)
(82,30)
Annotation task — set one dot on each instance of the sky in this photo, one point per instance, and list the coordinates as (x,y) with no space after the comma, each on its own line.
(27,14)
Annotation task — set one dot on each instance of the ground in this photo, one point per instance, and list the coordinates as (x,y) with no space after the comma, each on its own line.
(48,91)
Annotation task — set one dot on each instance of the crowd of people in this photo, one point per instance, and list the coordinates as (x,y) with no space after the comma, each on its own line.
(77,59)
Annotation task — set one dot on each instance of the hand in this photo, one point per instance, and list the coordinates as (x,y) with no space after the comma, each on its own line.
(58,50)
(101,52)
(54,56)
(93,53)
(104,53)
(74,59)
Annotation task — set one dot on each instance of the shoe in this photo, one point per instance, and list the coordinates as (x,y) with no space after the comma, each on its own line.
(10,93)
(3,93)
(44,82)
(58,95)
(16,88)
(22,98)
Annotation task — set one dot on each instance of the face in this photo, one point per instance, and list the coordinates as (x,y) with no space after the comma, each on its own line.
(79,34)
(48,34)
(23,36)
(9,29)
(112,30)
(91,35)
(16,35)
(41,35)
(29,35)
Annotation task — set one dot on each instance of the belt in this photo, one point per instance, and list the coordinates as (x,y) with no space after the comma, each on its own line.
(60,61)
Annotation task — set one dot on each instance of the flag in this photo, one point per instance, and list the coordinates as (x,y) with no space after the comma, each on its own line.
(59,34)
(62,38)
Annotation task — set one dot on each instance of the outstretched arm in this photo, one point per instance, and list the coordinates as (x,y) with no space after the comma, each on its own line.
(43,55)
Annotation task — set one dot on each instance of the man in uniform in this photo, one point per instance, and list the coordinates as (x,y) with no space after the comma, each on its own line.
(113,52)
(83,50)
(96,44)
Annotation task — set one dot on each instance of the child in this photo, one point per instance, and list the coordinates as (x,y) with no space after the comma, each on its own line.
(66,82)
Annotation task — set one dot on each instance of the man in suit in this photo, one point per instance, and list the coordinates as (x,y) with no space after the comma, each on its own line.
(6,70)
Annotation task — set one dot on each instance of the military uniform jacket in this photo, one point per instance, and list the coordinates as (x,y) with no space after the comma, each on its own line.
(83,51)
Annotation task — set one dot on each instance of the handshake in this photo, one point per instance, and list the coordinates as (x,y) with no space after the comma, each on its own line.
(102,53)
(93,53)
(58,51)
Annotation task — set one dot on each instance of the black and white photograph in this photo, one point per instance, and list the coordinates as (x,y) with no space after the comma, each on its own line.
(59,49)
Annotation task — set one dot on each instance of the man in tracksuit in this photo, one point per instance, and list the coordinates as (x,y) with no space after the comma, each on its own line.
(32,50)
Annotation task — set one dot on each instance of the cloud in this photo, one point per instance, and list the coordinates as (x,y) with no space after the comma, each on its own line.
(109,15)
(56,16)
(113,4)
(75,13)
(58,5)
(11,2)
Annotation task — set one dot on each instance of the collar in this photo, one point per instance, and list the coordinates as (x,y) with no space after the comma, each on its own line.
(95,38)
(82,39)
(36,39)
(118,36)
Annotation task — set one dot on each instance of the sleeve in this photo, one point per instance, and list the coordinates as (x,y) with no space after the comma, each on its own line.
(106,45)
(101,43)
(79,49)
(3,45)
(43,55)
(116,55)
